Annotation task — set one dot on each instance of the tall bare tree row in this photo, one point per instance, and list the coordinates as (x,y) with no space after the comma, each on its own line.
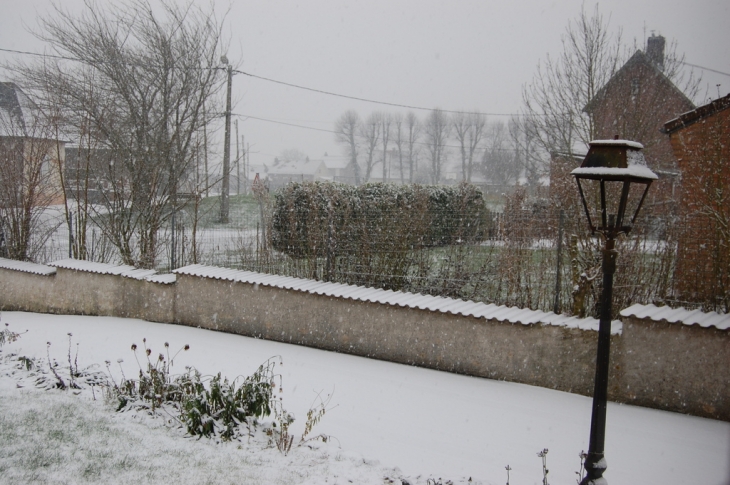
(410,149)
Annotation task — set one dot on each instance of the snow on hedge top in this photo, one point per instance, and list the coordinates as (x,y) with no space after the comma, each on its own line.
(674,315)
(26,267)
(399,298)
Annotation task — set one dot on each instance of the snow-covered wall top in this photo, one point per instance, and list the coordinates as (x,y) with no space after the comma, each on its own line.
(674,315)
(91,267)
(26,267)
(389,297)
(112,269)
(164,279)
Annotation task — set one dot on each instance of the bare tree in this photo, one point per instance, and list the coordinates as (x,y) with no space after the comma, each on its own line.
(386,120)
(414,127)
(370,132)
(499,164)
(469,130)
(399,140)
(347,128)
(151,71)
(562,87)
(560,100)
(29,179)
(293,155)
(437,129)
(527,153)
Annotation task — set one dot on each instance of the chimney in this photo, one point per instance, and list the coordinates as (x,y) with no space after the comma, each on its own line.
(655,50)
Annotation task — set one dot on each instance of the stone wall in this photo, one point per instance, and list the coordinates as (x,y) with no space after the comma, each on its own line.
(654,363)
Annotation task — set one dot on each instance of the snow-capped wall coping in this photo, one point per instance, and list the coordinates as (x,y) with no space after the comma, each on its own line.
(26,267)
(139,274)
(163,279)
(112,269)
(399,298)
(679,315)
(92,267)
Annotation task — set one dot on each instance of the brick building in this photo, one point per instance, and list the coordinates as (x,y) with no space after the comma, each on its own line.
(700,140)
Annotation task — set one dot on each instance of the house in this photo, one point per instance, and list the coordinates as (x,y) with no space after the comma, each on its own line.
(340,169)
(283,172)
(31,154)
(86,173)
(634,104)
(700,140)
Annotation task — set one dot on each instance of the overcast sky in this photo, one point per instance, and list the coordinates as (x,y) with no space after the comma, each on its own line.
(457,55)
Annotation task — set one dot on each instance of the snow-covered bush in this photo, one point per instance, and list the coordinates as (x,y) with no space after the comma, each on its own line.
(205,406)
(375,233)
(7,335)
(322,219)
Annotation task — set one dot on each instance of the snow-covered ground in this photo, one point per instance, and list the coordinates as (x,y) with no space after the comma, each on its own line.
(429,424)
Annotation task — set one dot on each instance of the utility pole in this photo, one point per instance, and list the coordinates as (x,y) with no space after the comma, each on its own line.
(205,153)
(227,147)
(238,163)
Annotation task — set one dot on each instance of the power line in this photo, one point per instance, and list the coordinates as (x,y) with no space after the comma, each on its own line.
(314,90)
(334,132)
(706,69)
(283,123)
(39,55)
(366,100)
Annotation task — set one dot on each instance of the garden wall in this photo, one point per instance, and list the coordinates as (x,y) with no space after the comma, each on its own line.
(661,358)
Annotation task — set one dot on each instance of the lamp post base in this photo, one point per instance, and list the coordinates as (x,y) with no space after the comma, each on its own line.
(595,465)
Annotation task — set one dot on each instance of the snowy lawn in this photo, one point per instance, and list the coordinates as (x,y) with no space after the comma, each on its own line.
(433,426)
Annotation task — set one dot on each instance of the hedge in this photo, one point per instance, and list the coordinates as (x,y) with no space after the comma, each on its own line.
(325,219)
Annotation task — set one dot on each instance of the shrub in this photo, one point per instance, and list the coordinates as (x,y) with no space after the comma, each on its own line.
(205,406)
(317,219)
(377,234)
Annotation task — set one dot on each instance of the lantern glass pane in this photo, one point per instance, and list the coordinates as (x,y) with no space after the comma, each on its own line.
(611,196)
(595,199)
(636,192)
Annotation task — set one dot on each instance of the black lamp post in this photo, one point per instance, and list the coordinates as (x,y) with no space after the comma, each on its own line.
(613,181)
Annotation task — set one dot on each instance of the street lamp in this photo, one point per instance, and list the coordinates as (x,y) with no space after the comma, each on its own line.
(613,181)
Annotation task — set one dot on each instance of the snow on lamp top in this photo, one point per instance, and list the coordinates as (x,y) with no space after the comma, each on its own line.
(615,160)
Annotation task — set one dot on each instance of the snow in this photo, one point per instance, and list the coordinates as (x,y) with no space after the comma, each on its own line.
(164,279)
(636,171)
(92,267)
(430,424)
(26,267)
(721,321)
(635,161)
(618,143)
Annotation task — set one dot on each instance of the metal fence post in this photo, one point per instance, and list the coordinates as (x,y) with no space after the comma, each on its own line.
(70,234)
(561,224)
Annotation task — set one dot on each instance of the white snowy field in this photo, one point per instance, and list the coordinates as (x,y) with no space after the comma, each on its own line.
(430,425)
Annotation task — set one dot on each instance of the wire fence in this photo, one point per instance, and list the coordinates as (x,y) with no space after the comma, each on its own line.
(540,257)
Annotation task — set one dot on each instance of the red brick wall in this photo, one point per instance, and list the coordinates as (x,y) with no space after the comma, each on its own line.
(703,156)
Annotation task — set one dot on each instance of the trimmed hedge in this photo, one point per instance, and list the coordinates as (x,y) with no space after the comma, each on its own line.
(324,219)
